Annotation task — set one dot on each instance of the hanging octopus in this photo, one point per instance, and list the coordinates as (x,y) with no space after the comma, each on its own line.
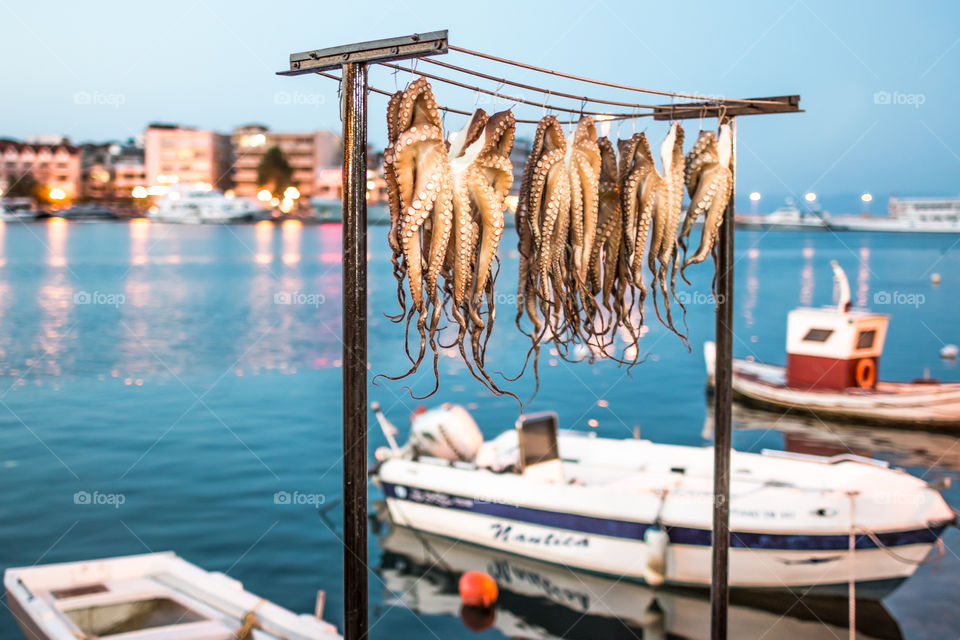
(640,183)
(709,182)
(446,210)
(608,269)
(482,178)
(422,209)
(667,210)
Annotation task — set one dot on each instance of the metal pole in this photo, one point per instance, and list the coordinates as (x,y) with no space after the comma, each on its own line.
(355,351)
(723,399)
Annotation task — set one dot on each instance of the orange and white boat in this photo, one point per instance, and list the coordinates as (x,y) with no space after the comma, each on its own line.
(833,357)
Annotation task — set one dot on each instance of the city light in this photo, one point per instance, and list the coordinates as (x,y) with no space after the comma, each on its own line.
(139,192)
(1,191)
(291,193)
(810,196)
(866,197)
(755,196)
(287,205)
(174,195)
(264,195)
(57,194)
(274,202)
(204,186)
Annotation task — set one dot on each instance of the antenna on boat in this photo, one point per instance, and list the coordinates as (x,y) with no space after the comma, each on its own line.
(843,287)
(388,428)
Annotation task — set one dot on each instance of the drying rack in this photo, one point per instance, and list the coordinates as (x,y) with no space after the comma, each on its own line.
(353,61)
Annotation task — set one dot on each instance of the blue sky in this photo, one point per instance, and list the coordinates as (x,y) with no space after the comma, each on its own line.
(103,70)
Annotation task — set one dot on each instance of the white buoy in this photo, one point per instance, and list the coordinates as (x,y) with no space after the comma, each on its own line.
(949,352)
(935,278)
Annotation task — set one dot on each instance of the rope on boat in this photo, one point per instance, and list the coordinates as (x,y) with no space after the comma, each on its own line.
(250,623)
(896,556)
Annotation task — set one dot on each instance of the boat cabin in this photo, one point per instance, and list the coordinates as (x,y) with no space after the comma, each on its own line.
(537,440)
(833,348)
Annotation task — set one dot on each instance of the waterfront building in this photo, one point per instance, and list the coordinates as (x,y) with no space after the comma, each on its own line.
(53,163)
(308,153)
(174,154)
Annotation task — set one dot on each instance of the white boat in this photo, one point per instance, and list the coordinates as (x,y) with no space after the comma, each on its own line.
(156,596)
(547,602)
(18,210)
(201,204)
(907,215)
(833,359)
(786,218)
(639,510)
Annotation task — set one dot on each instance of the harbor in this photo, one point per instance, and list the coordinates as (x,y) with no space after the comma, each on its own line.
(456,337)
(133,369)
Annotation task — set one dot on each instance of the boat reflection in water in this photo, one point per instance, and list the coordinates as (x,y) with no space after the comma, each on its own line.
(815,436)
(540,600)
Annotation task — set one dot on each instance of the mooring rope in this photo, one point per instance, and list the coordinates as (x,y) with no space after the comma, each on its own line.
(896,556)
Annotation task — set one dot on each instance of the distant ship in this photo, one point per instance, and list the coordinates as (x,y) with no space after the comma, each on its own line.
(907,215)
(786,218)
(197,205)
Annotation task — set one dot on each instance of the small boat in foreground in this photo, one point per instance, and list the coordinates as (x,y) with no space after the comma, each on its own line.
(833,355)
(156,596)
(639,510)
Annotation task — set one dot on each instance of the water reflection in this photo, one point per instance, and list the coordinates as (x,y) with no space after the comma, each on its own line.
(753,286)
(539,600)
(863,277)
(56,300)
(263,238)
(290,231)
(57,242)
(808,434)
(139,241)
(806,277)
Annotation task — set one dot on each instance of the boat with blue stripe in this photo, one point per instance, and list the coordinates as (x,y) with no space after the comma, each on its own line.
(639,510)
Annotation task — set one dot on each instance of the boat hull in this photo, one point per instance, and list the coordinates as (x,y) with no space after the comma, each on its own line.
(28,626)
(922,405)
(614,545)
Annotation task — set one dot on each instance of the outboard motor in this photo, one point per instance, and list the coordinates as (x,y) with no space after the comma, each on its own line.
(448,432)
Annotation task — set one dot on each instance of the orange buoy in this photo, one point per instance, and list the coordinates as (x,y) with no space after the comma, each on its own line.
(477,589)
(866,374)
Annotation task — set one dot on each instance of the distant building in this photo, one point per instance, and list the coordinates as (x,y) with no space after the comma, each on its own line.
(175,154)
(111,170)
(308,153)
(54,164)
